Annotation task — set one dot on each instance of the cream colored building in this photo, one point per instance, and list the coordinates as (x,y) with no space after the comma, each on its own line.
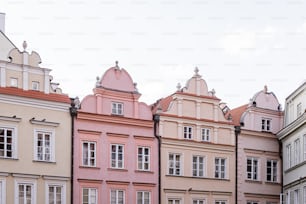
(197,147)
(35,131)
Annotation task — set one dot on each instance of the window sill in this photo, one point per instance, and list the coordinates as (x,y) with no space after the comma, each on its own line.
(117,169)
(42,161)
(89,167)
(8,158)
(144,171)
(272,183)
(253,181)
(117,115)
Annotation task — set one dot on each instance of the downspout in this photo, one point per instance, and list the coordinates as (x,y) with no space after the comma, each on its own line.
(73,114)
(156,118)
(281,166)
(237,132)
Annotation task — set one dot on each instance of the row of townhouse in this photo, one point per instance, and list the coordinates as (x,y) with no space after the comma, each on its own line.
(110,148)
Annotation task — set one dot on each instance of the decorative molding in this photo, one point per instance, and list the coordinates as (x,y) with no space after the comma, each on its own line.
(91,132)
(10,118)
(144,184)
(118,182)
(117,135)
(32,176)
(4,174)
(43,122)
(151,138)
(58,178)
(90,181)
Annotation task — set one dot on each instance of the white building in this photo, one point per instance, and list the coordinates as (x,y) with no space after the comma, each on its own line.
(293,139)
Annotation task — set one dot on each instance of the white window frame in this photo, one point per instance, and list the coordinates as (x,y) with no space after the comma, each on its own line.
(87,154)
(14,142)
(219,174)
(143,159)
(205,134)
(90,196)
(196,166)
(35,85)
(304,194)
(289,156)
(174,165)
(220,201)
(142,197)
(253,174)
(299,109)
(13,82)
(29,183)
(174,201)
(304,147)
(188,131)
(297,151)
(296,196)
(56,184)
(2,191)
(273,170)
(117,191)
(252,202)
(52,145)
(266,124)
(116,162)
(117,108)
(198,201)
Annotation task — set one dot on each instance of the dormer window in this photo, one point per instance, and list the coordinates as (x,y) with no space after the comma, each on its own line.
(35,85)
(117,108)
(266,124)
(14,82)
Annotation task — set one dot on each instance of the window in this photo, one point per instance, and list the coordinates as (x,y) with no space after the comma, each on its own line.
(272,170)
(25,193)
(174,201)
(296,151)
(299,109)
(117,108)
(205,134)
(220,168)
(288,153)
(252,202)
(174,164)
(187,132)
(252,168)
(220,202)
(143,158)
(14,82)
(266,124)
(117,197)
(143,197)
(304,192)
(43,146)
(55,194)
(117,156)
(198,166)
(35,85)
(296,196)
(7,145)
(304,145)
(2,191)
(198,201)
(89,154)
(89,196)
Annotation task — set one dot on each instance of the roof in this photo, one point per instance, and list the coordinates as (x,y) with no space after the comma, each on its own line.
(62,98)
(236,113)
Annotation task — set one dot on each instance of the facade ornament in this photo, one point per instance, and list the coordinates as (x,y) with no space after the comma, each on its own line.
(97,81)
(213,92)
(24,45)
(178,86)
(196,71)
(265,89)
(117,66)
(135,87)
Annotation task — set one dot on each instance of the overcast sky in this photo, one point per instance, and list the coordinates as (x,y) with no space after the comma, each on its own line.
(238,45)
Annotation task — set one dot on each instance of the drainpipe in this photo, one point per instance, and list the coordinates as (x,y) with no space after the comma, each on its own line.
(280,146)
(156,118)
(237,132)
(73,113)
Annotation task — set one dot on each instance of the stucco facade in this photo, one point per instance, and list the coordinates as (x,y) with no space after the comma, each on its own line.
(293,139)
(197,146)
(259,162)
(115,150)
(35,132)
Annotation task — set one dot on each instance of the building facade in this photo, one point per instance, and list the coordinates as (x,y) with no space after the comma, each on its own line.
(115,150)
(35,131)
(259,172)
(293,139)
(197,147)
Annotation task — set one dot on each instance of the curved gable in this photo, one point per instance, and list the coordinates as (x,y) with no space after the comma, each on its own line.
(265,99)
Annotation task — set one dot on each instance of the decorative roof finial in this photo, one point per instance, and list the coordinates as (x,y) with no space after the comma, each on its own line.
(117,66)
(213,92)
(265,89)
(24,45)
(97,81)
(196,71)
(178,86)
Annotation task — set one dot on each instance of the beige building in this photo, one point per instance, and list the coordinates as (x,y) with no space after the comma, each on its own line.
(35,131)
(197,147)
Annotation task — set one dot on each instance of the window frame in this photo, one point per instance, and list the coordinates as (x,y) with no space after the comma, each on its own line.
(273,169)
(90,190)
(52,145)
(206,136)
(198,201)
(143,196)
(2,191)
(220,201)
(254,174)
(304,147)
(174,163)
(89,151)
(35,85)
(144,157)
(266,124)
(299,109)
(297,151)
(289,155)
(117,191)
(252,202)
(218,168)
(188,132)
(13,143)
(116,109)
(174,200)
(196,164)
(14,82)
(29,183)
(116,159)
(62,185)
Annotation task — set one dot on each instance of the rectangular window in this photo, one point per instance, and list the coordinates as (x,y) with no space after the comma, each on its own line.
(143,197)
(174,164)
(14,82)
(198,201)
(6,142)
(43,146)
(296,151)
(205,133)
(174,201)
(55,194)
(25,193)
(117,197)
(304,146)
(220,167)
(187,132)
(296,196)
(89,196)
(198,166)
(89,154)
(252,168)
(143,158)
(117,108)
(220,202)
(252,202)
(35,85)
(272,170)
(266,124)
(299,109)
(288,153)
(117,158)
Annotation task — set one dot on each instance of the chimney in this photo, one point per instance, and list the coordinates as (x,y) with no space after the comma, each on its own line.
(2,21)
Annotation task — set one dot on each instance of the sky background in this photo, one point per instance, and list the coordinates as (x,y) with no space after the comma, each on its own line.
(238,46)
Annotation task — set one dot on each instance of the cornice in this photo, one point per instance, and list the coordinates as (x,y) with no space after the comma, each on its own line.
(286,131)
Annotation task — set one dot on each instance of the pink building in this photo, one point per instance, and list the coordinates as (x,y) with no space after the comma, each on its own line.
(259,163)
(115,151)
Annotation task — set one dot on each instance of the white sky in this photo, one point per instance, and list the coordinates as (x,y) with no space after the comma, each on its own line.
(238,45)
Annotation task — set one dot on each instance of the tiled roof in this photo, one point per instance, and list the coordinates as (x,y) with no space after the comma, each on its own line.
(236,113)
(162,103)
(35,94)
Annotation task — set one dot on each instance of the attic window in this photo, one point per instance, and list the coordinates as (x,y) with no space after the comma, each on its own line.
(266,124)
(117,108)
(14,82)
(35,85)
